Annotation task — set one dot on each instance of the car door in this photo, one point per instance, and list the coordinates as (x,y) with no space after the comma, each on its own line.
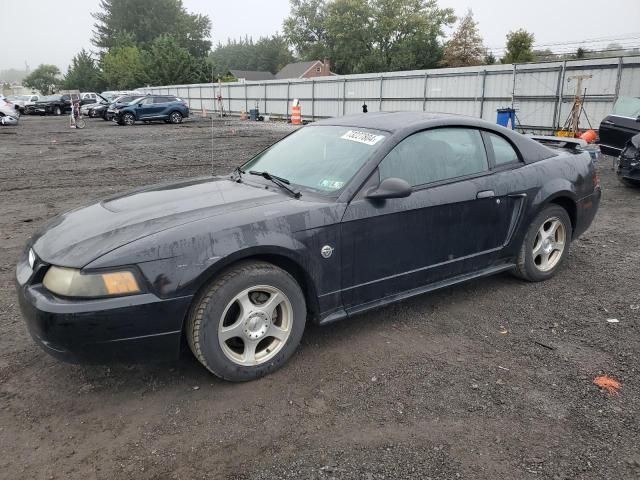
(144,108)
(618,127)
(455,221)
(161,106)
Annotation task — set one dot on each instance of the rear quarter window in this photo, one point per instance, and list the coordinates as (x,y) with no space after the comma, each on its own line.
(503,152)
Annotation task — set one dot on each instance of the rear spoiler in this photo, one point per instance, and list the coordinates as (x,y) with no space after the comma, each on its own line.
(560,142)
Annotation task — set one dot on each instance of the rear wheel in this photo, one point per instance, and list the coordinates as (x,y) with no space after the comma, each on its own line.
(545,245)
(57,111)
(247,322)
(175,117)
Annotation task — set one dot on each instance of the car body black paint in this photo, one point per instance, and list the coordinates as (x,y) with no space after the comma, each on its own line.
(179,235)
(615,131)
(629,161)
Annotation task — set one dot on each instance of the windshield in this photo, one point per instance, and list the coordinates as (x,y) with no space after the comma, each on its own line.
(137,100)
(50,98)
(319,158)
(627,107)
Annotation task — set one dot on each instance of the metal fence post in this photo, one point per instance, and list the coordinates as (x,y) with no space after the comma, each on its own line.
(288,94)
(246,98)
(380,100)
(557,111)
(425,92)
(229,98)
(344,95)
(484,83)
(313,100)
(618,80)
(265,97)
(513,88)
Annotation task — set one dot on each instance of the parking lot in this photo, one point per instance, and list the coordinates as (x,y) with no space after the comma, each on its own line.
(492,379)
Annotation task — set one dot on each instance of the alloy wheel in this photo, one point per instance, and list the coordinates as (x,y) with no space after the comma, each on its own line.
(255,325)
(549,244)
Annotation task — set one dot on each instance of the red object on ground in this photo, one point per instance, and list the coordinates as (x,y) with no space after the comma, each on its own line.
(609,384)
(589,136)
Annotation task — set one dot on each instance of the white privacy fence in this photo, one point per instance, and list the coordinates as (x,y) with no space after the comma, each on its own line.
(542,93)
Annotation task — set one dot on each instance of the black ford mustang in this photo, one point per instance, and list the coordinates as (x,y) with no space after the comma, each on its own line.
(340,217)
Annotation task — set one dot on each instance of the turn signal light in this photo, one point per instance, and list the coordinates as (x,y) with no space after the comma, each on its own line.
(119,283)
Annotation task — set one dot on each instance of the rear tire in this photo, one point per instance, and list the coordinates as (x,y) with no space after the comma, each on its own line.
(247,322)
(175,117)
(545,245)
(57,111)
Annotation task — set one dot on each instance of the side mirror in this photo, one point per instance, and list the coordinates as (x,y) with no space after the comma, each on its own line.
(638,119)
(390,188)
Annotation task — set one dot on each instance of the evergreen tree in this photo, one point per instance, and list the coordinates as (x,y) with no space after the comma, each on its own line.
(465,48)
(83,74)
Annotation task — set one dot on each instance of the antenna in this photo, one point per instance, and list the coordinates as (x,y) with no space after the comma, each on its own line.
(212,139)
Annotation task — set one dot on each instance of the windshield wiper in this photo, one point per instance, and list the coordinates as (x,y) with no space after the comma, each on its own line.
(238,174)
(283,183)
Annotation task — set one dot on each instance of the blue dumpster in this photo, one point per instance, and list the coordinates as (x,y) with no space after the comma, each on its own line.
(507,117)
(254,114)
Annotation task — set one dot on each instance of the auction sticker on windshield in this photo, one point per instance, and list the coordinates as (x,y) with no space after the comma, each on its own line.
(362,137)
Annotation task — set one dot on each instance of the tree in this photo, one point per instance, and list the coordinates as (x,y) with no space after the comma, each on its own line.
(45,79)
(83,74)
(145,20)
(368,35)
(167,63)
(122,68)
(267,54)
(581,53)
(305,28)
(519,47)
(465,48)
(490,58)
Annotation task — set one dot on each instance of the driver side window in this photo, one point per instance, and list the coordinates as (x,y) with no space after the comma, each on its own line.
(436,155)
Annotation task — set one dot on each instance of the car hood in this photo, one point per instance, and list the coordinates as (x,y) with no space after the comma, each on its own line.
(78,237)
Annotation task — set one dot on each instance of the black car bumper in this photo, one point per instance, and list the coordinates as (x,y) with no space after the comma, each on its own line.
(629,168)
(587,209)
(135,328)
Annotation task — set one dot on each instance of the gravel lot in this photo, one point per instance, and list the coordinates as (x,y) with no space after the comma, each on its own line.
(445,386)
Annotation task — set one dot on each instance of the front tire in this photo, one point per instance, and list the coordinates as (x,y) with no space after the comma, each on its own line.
(128,119)
(545,245)
(247,322)
(57,111)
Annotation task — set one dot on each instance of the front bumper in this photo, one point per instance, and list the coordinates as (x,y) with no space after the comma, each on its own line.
(629,168)
(134,328)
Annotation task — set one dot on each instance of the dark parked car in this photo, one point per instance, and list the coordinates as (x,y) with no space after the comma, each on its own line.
(340,217)
(51,104)
(117,104)
(629,163)
(618,127)
(151,108)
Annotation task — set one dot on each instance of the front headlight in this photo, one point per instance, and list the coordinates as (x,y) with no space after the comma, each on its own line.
(70,282)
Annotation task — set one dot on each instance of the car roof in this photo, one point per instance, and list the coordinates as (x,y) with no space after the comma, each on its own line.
(409,122)
(394,121)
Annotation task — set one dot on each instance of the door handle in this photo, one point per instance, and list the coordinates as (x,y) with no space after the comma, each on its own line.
(486,194)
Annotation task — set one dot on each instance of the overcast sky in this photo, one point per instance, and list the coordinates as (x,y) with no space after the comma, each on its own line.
(48,39)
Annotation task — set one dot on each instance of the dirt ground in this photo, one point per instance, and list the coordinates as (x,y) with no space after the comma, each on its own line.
(456,384)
